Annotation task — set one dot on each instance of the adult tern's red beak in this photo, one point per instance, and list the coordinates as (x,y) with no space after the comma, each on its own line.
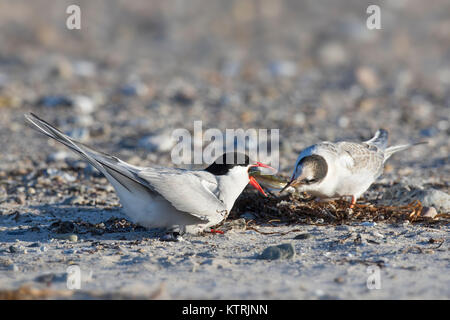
(253,181)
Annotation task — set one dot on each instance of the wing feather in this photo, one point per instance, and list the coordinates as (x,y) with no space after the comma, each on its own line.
(192,192)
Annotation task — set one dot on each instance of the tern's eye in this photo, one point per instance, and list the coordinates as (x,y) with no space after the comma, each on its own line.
(309,181)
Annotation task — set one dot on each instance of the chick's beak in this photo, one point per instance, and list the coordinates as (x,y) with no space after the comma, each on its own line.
(286,186)
(294,182)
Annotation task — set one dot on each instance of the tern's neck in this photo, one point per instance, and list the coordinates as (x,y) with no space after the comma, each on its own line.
(231,186)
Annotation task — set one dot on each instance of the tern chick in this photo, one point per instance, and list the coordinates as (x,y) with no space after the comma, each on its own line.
(177,200)
(342,169)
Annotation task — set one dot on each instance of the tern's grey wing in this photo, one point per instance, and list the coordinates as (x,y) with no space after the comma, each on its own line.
(192,192)
(361,157)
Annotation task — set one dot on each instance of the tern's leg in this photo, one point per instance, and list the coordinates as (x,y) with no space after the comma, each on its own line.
(216,231)
(352,205)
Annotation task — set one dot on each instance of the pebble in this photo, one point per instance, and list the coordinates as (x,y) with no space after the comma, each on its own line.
(339,280)
(303,236)
(83,104)
(377,234)
(344,227)
(367,78)
(282,251)
(75,200)
(333,54)
(429,212)
(157,143)
(136,88)
(20,198)
(368,224)
(283,68)
(84,68)
(58,156)
(13,249)
(70,237)
(54,101)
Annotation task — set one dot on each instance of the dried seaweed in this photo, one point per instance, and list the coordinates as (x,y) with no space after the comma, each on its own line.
(293,209)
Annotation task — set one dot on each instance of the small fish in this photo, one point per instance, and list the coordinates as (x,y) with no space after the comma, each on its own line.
(271,182)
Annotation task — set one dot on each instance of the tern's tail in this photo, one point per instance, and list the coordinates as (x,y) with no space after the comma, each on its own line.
(391,150)
(380,139)
(112,167)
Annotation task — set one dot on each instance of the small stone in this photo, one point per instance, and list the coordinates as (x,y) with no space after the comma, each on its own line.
(54,101)
(429,212)
(367,78)
(282,251)
(20,198)
(83,104)
(84,68)
(302,236)
(58,156)
(343,227)
(70,237)
(158,142)
(339,280)
(377,234)
(13,249)
(76,200)
(283,68)
(368,224)
(135,88)
(333,54)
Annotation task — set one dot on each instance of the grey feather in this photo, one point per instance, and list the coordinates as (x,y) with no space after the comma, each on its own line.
(201,203)
(391,150)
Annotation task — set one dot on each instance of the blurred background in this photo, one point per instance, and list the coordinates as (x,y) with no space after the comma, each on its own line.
(139,69)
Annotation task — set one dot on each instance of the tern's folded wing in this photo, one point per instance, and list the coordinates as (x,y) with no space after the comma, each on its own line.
(360,157)
(187,191)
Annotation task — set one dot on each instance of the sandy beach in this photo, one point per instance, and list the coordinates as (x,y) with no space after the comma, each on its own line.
(138,70)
